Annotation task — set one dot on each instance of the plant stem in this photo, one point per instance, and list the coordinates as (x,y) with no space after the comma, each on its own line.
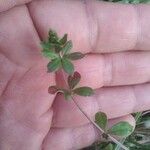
(100,129)
(90,120)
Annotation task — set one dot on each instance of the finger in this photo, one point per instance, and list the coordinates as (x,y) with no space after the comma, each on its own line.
(114,101)
(95,26)
(126,68)
(7,4)
(72,138)
(19,43)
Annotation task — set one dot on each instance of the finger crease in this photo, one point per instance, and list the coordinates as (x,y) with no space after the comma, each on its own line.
(92,23)
(34,25)
(137,27)
(108,70)
(134,99)
(7,85)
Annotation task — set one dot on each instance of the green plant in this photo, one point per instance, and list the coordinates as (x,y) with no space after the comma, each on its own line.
(57,50)
(129,1)
(123,129)
(138,140)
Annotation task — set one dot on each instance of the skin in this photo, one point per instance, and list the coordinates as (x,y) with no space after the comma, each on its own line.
(115,39)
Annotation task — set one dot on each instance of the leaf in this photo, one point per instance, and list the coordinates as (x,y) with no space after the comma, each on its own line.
(50,54)
(53,37)
(63,40)
(46,45)
(109,147)
(52,34)
(67,47)
(58,48)
(53,89)
(123,129)
(67,66)
(54,65)
(75,56)
(84,91)
(74,79)
(102,145)
(101,120)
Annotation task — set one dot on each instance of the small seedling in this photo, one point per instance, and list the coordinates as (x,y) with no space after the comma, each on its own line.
(57,50)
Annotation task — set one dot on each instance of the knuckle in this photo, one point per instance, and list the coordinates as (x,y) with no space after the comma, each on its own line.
(93,32)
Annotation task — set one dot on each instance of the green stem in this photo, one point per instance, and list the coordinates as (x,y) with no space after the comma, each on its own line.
(90,120)
(100,129)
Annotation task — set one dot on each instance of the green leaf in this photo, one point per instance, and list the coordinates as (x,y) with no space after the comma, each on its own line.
(53,89)
(67,47)
(84,91)
(101,120)
(102,145)
(63,40)
(123,129)
(75,56)
(54,65)
(53,38)
(58,48)
(46,45)
(109,147)
(49,54)
(67,66)
(74,79)
(52,35)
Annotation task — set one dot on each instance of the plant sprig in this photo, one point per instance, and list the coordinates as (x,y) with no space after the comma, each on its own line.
(57,50)
(73,81)
(122,129)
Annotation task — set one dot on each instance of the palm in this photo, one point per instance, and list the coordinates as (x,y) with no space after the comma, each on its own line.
(27,107)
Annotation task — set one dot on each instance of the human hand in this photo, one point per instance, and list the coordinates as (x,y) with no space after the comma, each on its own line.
(97,28)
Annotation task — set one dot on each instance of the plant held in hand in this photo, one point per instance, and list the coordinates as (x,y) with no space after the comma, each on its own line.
(122,129)
(73,80)
(57,50)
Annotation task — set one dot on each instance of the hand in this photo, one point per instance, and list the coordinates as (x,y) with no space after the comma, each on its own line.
(115,38)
